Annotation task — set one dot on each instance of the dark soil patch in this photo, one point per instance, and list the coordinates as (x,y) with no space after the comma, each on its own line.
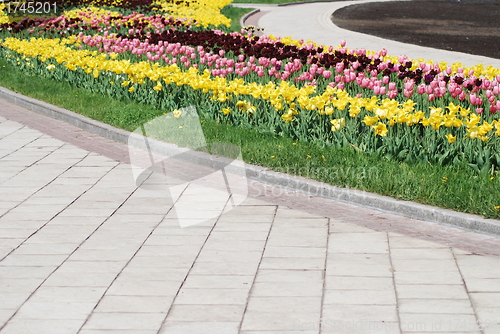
(467,26)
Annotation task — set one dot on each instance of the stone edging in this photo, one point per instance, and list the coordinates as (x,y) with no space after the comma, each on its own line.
(247,16)
(296,183)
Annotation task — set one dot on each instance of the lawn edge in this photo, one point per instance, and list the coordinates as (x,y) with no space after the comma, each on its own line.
(296,183)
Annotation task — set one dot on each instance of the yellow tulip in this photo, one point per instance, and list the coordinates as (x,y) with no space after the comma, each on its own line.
(451,138)
(380,129)
(337,124)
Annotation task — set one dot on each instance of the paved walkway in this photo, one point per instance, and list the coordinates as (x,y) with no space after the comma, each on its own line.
(85,250)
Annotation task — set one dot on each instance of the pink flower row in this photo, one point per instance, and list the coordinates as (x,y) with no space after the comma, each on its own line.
(460,86)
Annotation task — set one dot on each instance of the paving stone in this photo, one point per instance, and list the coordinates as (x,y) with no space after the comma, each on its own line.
(375,242)
(234,245)
(107,255)
(218,282)
(399,241)
(234,256)
(339,227)
(360,327)
(42,326)
(135,304)
(358,283)
(301,223)
(154,273)
(30,260)
(177,261)
(24,272)
(212,296)
(483,285)
(297,237)
(434,265)
(485,300)
(36,248)
(59,279)
(428,277)
(13,299)
(206,313)
(304,325)
(6,314)
(179,327)
(286,289)
(295,305)
(358,269)
(434,305)
(255,218)
(277,321)
(118,331)
(237,226)
(52,310)
(435,322)
(421,253)
(291,263)
(139,287)
(360,297)
(360,313)
(107,267)
(442,291)
(291,276)
(128,321)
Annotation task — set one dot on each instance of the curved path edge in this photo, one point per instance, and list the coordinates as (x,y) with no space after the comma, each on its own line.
(300,184)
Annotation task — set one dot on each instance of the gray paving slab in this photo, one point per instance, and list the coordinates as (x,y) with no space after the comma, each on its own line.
(117,263)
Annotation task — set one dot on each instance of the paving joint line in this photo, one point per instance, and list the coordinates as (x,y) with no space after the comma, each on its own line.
(409,209)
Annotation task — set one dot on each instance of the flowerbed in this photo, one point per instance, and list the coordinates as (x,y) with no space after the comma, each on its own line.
(176,54)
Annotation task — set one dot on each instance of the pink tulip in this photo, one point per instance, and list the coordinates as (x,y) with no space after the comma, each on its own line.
(392,94)
(339,67)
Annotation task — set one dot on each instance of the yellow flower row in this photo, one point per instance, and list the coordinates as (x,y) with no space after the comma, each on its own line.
(204,12)
(96,13)
(4,18)
(281,96)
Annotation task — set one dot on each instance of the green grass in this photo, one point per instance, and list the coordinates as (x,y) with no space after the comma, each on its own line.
(235,14)
(463,190)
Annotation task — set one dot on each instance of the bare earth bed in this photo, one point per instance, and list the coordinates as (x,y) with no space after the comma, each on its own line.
(467,26)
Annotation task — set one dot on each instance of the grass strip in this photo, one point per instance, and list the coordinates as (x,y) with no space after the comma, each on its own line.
(456,188)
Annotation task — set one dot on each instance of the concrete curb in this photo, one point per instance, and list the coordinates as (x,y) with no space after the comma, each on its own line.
(261,174)
(246,16)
